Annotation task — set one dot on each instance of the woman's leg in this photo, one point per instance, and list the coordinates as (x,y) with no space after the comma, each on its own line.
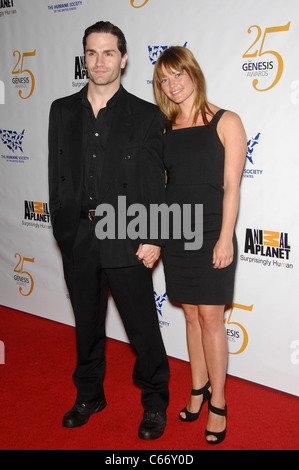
(198,366)
(214,341)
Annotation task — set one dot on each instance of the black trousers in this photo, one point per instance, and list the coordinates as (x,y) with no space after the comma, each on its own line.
(132,290)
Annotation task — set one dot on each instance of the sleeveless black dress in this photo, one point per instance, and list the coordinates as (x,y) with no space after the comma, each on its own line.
(194,159)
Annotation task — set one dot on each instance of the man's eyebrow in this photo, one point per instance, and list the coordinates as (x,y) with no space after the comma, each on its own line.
(105,50)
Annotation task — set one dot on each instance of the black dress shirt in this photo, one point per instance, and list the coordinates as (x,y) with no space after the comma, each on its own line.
(95,135)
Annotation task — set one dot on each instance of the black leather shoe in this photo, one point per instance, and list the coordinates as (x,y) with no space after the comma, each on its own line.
(80,414)
(152,425)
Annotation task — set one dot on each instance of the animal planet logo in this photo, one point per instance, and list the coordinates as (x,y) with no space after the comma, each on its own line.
(160,299)
(80,72)
(36,214)
(5,8)
(249,171)
(268,248)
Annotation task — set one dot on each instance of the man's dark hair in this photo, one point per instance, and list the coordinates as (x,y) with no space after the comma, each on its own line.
(107,27)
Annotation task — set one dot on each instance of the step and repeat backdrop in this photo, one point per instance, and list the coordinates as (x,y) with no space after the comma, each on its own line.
(248,50)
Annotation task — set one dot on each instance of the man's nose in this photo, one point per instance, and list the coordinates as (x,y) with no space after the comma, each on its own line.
(100,59)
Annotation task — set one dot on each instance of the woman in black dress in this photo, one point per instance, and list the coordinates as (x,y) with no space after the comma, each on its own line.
(205,149)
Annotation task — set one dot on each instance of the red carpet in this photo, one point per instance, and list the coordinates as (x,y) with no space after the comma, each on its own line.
(36,390)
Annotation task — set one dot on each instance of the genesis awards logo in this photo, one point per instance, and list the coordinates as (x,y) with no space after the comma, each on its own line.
(264,66)
(236,332)
(22,277)
(23,77)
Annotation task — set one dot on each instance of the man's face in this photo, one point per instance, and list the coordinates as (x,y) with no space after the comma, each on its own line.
(103,59)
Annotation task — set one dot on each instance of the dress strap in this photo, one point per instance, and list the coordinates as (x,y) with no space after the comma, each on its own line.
(217,116)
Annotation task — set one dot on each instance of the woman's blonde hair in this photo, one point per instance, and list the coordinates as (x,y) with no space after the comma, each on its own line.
(181,59)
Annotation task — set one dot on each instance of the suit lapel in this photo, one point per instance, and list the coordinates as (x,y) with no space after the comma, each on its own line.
(74,131)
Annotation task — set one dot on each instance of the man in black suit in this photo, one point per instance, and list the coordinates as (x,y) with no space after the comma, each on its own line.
(105,143)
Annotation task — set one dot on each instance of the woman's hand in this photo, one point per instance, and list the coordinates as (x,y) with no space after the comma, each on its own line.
(149,254)
(223,254)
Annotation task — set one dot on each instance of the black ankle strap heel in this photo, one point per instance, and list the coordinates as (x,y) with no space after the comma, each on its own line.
(206,396)
(220,436)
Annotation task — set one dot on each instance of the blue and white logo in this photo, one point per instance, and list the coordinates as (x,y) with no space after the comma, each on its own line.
(155,51)
(160,299)
(14,142)
(12,139)
(159,302)
(250,147)
(249,171)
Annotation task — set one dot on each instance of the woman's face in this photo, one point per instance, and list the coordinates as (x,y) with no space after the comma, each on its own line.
(177,86)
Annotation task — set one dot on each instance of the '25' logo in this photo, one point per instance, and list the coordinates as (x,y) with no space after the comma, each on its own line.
(260,52)
(19,268)
(19,68)
(238,326)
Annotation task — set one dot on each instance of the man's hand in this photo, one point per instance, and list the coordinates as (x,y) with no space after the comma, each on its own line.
(149,254)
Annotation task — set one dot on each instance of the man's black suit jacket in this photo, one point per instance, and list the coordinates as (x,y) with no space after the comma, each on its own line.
(136,132)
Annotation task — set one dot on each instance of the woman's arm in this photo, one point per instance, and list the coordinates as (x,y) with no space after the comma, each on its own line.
(233,137)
